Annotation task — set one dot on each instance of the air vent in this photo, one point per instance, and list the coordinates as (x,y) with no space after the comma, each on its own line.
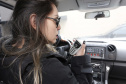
(111,48)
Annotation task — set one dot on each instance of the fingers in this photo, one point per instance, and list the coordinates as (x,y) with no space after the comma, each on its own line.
(74,40)
(81,52)
(83,45)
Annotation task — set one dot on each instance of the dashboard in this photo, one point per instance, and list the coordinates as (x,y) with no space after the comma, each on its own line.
(108,60)
(101,50)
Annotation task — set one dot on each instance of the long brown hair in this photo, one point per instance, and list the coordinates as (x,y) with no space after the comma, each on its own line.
(35,41)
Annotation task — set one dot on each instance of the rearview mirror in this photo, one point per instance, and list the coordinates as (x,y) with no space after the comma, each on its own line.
(97,14)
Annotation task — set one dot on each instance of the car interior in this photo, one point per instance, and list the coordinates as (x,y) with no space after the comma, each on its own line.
(108,55)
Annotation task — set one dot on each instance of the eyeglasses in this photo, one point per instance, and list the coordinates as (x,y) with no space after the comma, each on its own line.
(56,20)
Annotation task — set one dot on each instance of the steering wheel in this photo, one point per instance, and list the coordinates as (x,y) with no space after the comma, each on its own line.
(63,46)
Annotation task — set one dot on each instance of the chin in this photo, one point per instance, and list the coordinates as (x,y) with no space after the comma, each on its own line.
(53,42)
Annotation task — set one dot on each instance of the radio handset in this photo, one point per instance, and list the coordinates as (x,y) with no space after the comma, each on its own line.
(75,47)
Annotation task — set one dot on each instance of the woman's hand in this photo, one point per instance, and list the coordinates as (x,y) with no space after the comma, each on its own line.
(81,52)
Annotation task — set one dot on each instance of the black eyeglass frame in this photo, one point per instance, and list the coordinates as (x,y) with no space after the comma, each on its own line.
(56,20)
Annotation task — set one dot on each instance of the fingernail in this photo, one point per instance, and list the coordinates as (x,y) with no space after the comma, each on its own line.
(83,42)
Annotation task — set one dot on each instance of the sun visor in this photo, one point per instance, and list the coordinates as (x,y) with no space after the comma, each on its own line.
(123,3)
(90,5)
(67,5)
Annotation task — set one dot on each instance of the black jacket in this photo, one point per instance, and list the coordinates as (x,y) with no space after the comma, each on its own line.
(55,69)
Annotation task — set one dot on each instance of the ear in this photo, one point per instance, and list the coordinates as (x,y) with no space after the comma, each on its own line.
(33,21)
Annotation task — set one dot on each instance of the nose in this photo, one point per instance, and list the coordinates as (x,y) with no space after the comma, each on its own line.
(59,27)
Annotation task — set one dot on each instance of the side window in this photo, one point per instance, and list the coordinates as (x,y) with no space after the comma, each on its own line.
(0,26)
(0,32)
(121,32)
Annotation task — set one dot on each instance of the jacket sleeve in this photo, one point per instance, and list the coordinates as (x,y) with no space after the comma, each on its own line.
(81,67)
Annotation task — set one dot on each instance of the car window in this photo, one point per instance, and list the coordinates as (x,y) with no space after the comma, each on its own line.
(121,32)
(0,32)
(74,25)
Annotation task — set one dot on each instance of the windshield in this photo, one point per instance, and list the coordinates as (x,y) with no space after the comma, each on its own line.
(74,25)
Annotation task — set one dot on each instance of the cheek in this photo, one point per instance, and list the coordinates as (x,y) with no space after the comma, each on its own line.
(50,35)
(50,31)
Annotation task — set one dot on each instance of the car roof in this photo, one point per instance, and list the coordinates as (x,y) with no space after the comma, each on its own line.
(82,5)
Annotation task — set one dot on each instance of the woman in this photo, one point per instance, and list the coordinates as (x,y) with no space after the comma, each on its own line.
(28,57)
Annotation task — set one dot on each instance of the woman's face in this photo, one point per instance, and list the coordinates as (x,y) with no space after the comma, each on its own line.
(51,29)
